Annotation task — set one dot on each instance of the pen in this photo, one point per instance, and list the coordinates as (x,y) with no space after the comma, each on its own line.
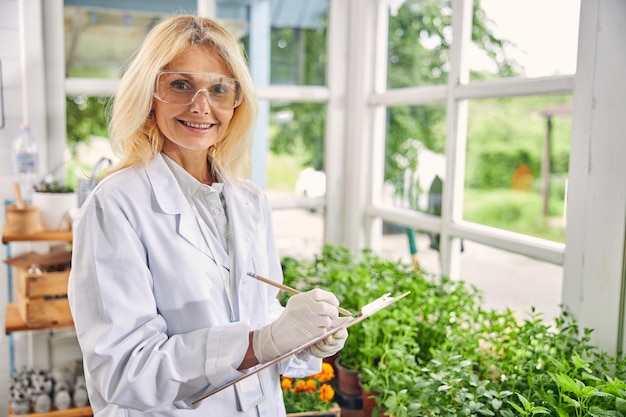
(289,289)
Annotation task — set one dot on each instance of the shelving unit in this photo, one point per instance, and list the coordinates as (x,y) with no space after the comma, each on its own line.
(13,320)
(15,323)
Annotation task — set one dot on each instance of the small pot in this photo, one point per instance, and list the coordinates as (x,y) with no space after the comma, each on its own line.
(22,220)
(347,380)
(56,209)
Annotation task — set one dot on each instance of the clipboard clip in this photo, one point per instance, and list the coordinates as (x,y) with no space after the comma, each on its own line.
(378,304)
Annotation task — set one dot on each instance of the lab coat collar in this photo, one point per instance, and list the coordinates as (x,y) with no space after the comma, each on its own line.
(243,205)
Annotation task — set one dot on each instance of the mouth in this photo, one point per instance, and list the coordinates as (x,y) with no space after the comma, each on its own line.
(197,125)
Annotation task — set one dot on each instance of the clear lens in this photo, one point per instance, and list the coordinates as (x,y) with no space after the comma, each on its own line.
(185,87)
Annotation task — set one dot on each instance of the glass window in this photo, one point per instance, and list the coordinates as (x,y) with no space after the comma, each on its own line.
(295,168)
(99,42)
(505,279)
(87,136)
(517,164)
(101,37)
(414,156)
(296,134)
(299,55)
(530,38)
(420,34)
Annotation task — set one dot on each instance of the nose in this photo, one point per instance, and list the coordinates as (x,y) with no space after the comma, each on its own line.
(198,104)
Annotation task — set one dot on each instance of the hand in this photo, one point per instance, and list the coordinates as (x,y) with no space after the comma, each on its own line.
(331,345)
(306,316)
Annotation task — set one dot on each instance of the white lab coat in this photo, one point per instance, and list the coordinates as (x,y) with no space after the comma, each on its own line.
(149,305)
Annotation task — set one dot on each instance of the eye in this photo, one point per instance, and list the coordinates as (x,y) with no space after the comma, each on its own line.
(181,85)
(220,89)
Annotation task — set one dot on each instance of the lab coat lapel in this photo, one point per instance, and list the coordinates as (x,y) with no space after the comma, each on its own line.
(244,215)
(171,200)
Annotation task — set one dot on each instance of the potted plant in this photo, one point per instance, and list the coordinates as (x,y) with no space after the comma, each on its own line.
(438,352)
(56,204)
(311,396)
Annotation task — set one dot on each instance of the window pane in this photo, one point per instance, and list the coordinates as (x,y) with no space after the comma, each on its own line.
(296,178)
(87,136)
(296,134)
(535,44)
(505,279)
(100,40)
(299,55)
(298,42)
(418,43)
(517,164)
(414,156)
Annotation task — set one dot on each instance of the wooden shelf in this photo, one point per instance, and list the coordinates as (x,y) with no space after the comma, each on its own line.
(45,235)
(15,323)
(70,412)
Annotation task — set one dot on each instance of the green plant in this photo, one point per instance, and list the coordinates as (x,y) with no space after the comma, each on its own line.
(438,352)
(53,187)
(526,409)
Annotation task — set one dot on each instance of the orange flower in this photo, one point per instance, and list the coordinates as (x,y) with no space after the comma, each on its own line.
(327,373)
(327,393)
(300,386)
(309,393)
(285,383)
(311,385)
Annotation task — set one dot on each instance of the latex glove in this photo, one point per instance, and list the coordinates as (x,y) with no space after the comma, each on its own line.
(306,316)
(331,345)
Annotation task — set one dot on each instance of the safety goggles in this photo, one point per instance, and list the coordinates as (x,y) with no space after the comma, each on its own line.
(185,87)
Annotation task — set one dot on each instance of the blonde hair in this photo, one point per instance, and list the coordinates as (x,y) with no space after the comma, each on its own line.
(135,137)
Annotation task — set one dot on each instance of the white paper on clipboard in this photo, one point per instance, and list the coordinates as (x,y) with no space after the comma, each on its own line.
(366,311)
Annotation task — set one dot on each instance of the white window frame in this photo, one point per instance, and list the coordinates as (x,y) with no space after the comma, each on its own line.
(355,135)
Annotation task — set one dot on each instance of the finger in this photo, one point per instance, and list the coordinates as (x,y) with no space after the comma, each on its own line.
(319,294)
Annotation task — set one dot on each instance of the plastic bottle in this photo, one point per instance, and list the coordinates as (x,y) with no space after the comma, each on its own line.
(26,161)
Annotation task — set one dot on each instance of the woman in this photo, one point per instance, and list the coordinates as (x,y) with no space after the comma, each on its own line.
(164,310)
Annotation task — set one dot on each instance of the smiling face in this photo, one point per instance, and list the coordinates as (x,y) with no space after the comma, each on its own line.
(196,126)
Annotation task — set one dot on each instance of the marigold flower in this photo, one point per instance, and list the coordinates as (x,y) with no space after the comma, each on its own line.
(300,386)
(311,385)
(327,393)
(327,373)
(306,394)
(285,384)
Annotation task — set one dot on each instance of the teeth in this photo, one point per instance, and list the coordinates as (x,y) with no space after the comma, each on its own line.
(198,125)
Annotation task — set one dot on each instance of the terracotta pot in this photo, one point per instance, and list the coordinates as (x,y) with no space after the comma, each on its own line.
(369,402)
(347,380)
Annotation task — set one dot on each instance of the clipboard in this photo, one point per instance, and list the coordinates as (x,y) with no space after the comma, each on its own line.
(365,312)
